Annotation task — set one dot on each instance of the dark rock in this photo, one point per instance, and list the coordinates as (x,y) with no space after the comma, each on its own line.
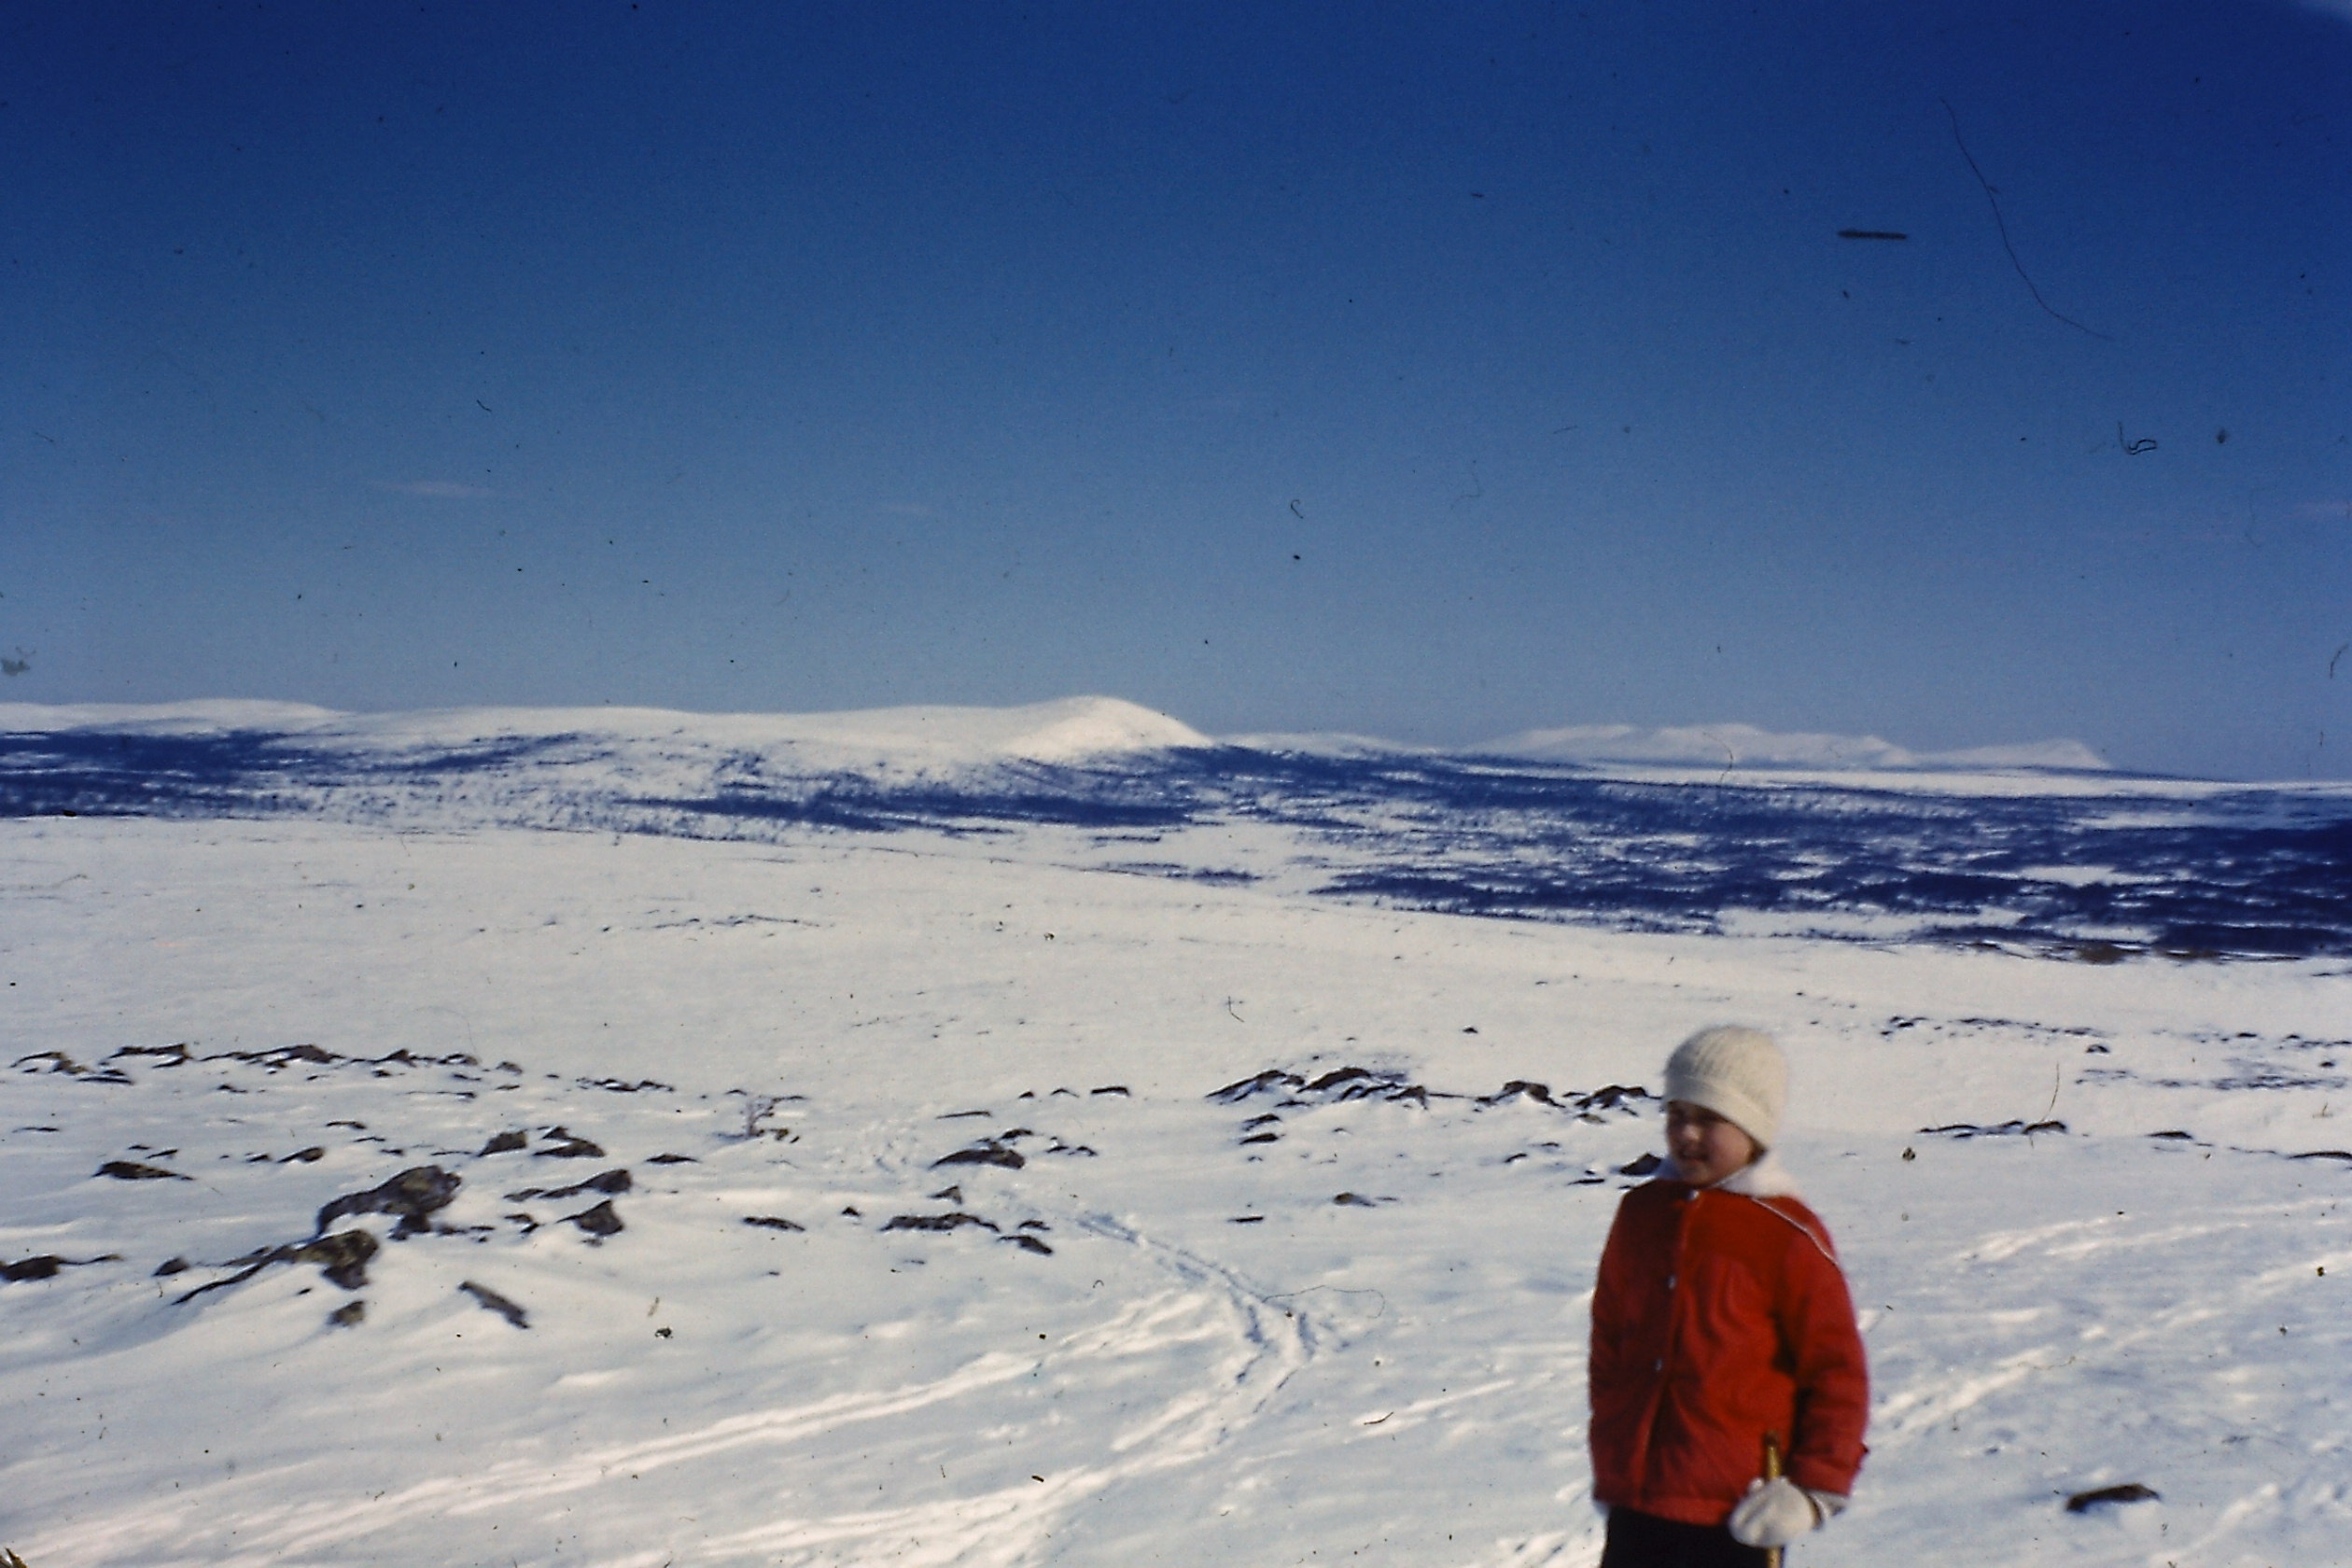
(505,1143)
(673,1159)
(1336,1086)
(1112,1089)
(284,1056)
(239,1277)
(935,1222)
(1247,1219)
(2130,1491)
(1029,1243)
(1061,1148)
(1615,1097)
(305,1156)
(169,1266)
(771,1221)
(1273,1080)
(349,1315)
(608,1182)
(492,1301)
(413,1195)
(405,1058)
(46,1266)
(1353,1201)
(1540,1093)
(342,1256)
(58,1062)
(983,1153)
(1262,1137)
(1641,1167)
(563,1143)
(948,1195)
(2002,1130)
(602,1220)
(132,1171)
(166,1056)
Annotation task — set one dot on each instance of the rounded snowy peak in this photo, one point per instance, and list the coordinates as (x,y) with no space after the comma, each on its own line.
(1067,729)
(1745,746)
(651,744)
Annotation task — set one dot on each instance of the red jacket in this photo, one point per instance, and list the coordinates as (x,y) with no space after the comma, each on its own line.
(1721,1315)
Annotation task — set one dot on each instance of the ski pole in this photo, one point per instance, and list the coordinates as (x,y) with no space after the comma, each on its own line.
(1771,1473)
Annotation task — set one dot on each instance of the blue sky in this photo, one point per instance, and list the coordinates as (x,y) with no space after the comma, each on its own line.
(1430,371)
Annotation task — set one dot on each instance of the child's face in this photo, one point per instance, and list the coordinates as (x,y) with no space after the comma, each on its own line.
(1706,1148)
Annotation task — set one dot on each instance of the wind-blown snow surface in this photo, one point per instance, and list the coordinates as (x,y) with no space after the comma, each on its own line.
(1079,1162)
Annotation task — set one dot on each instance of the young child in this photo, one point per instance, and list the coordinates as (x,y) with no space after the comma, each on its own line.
(1720,1326)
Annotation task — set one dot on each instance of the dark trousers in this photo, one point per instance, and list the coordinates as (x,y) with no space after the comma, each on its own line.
(1645,1541)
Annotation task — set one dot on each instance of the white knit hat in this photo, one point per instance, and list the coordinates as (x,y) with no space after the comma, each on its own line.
(1738,1073)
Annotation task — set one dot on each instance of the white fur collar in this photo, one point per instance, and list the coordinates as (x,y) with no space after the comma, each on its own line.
(1766,1176)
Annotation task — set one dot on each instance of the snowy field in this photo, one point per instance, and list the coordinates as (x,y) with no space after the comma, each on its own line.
(926,1142)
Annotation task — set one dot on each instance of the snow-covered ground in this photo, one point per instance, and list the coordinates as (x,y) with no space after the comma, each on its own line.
(1019,1189)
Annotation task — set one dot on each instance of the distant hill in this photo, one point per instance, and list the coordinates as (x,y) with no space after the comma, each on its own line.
(1744,746)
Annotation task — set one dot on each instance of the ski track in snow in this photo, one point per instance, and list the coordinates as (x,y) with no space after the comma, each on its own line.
(1004,1526)
(1011,1525)
(1248,1348)
(268,1534)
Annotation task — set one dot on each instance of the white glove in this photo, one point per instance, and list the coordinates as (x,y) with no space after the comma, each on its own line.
(1772,1514)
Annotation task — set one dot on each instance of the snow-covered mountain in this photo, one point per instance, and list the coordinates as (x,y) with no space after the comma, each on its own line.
(1883,845)
(1744,746)
(942,739)
(926,740)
